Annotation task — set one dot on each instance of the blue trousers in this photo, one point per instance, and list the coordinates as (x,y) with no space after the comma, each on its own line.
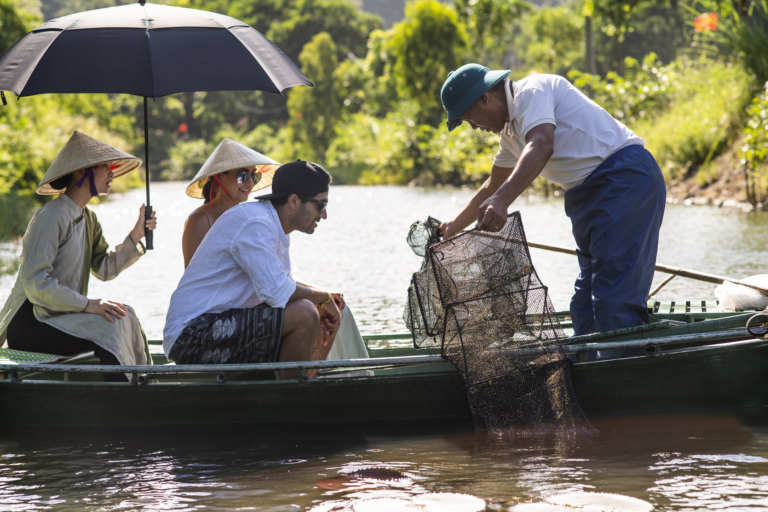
(616,215)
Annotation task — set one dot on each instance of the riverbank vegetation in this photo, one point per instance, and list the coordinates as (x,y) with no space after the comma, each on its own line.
(687,77)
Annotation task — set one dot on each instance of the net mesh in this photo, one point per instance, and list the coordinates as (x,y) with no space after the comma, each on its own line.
(478,298)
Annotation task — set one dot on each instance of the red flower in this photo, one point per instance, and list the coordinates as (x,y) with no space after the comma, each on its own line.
(182,128)
(705,22)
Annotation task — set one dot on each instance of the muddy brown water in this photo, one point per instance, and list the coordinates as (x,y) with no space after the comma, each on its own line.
(677,462)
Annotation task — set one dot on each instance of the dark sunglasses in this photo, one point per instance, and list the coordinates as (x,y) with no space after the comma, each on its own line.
(321,205)
(242,176)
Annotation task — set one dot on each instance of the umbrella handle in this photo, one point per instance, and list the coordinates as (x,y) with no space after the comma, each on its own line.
(148,233)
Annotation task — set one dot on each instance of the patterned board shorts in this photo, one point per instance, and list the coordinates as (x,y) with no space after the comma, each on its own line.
(234,336)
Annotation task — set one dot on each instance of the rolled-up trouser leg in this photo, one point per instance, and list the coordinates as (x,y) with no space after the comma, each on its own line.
(616,215)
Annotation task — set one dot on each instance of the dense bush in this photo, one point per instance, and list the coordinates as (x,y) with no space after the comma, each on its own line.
(754,152)
(375,114)
(16,212)
(644,90)
(704,114)
(397,150)
(742,33)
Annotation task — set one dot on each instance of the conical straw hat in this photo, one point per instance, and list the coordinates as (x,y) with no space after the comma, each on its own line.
(81,152)
(233,155)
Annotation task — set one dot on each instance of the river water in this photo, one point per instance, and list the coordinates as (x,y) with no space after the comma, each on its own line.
(689,462)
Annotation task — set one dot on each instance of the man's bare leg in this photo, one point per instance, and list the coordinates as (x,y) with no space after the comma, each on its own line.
(301,324)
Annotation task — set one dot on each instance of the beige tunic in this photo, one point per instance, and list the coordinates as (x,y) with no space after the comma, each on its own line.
(53,275)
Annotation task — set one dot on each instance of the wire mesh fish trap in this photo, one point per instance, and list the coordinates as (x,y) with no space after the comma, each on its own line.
(478,297)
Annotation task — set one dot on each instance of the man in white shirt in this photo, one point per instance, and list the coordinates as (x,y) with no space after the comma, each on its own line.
(237,301)
(615,192)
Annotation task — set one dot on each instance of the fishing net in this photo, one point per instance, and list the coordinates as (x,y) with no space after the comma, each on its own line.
(478,298)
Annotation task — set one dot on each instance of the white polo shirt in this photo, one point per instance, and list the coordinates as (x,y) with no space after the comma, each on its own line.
(585,134)
(242,262)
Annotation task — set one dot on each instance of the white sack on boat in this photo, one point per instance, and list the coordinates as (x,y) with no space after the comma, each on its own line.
(733,296)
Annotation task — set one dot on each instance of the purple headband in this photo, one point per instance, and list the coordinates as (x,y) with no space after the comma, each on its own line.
(89,174)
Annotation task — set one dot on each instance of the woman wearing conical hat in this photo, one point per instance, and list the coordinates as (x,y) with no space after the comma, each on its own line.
(226,179)
(49,310)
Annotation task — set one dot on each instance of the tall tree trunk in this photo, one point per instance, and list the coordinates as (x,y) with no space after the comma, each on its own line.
(590,46)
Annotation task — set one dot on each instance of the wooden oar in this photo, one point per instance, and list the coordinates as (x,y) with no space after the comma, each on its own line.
(667,269)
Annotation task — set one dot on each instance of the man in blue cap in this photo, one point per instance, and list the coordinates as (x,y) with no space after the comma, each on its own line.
(615,192)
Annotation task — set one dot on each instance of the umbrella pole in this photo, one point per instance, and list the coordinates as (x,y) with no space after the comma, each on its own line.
(148,235)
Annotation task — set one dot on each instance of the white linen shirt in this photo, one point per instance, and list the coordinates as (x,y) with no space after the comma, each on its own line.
(585,134)
(242,262)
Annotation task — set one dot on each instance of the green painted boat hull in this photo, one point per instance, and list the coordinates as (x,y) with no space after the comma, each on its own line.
(722,376)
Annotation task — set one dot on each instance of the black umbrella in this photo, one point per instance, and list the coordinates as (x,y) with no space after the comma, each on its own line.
(146,50)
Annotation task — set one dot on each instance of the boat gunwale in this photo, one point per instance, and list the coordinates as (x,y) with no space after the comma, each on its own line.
(354,380)
(655,334)
(736,337)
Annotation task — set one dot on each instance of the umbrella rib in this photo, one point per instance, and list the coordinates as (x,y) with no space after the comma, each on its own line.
(267,69)
(149,51)
(40,57)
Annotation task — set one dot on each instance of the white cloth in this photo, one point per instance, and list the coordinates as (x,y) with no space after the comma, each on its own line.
(242,262)
(585,134)
(51,276)
(349,343)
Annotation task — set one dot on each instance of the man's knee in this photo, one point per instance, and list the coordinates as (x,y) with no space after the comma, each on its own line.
(302,311)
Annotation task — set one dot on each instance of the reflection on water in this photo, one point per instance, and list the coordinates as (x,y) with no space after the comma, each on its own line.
(675,462)
(361,250)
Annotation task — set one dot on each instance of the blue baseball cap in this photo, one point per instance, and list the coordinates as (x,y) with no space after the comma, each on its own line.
(465,86)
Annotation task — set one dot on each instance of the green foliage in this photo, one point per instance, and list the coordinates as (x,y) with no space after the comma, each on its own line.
(704,114)
(643,91)
(422,50)
(58,8)
(490,25)
(742,32)
(552,40)
(364,84)
(616,16)
(291,24)
(17,17)
(314,112)
(754,152)
(341,19)
(16,212)
(394,149)
(185,159)
(376,117)
(33,131)
(658,29)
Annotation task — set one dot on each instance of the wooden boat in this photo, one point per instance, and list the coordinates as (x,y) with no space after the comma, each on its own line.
(691,358)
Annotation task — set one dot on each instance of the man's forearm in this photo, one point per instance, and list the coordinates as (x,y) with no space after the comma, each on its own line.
(469,214)
(532,161)
(313,295)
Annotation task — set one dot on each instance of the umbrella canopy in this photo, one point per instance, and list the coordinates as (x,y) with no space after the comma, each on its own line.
(146,50)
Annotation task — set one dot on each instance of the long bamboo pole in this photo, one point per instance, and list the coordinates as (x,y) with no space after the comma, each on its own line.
(667,269)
